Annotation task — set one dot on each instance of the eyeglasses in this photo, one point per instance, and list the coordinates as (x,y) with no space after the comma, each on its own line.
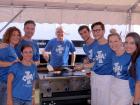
(28,52)
(97,30)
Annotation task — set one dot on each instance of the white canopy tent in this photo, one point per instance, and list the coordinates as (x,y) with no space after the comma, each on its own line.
(72,11)
(119,14)
(116,13)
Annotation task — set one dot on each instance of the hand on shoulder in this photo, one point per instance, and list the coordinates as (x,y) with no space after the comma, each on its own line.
(3,45)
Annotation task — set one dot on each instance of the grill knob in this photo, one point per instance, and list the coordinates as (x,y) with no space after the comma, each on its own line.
(49,89)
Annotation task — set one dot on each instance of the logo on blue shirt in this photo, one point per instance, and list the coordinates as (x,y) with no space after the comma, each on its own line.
(28,78)
(100,56)
(90,54)
(117,68)
(59,49)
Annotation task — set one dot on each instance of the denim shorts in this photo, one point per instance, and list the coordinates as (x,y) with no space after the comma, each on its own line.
(17,101)
(3,88)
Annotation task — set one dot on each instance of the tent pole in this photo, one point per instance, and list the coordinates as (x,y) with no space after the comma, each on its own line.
(12,19)
(129,20)
(130,11)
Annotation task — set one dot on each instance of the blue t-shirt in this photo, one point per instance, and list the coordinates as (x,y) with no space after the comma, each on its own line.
(23,42)
(132,81)
(7,54)
(102,56)
(88,50)
(59,51)
(23,80)
(120,65)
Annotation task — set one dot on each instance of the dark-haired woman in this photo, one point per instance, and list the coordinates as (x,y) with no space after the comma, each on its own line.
(21,79)
(132,45)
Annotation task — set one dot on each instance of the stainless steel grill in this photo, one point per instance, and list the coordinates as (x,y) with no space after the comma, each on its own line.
(64,90)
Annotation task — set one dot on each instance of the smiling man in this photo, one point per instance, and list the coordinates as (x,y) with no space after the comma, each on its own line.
(60,49)
(29,30)
(101,75)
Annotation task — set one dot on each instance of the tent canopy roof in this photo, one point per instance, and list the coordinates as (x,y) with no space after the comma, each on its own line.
(71,11)
(99,5)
